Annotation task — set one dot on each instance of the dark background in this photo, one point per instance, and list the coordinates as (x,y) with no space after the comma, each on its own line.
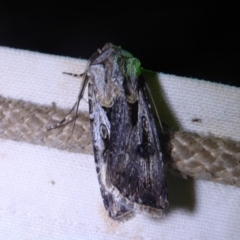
(199,41)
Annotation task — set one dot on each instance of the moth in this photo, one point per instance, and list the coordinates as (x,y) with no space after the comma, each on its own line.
(127,151)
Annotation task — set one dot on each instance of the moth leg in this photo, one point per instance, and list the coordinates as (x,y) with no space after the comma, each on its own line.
(74,74)
(77,76)
(66,120)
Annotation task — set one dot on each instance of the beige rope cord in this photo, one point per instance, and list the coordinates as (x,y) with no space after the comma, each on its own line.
(203,157)
(28,122)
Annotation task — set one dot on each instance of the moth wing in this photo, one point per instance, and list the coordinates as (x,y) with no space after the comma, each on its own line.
(102,125)
(135,163)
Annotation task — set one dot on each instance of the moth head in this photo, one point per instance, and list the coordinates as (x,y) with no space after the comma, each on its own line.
(131,67)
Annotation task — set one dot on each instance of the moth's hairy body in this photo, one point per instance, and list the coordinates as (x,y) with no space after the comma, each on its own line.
(125,141)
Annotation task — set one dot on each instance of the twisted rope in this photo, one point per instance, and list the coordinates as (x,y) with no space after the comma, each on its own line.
(192,155)
(28,122)
(206,157)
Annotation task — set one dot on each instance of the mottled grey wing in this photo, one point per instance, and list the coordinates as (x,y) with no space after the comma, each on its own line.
(134,158)
(102,125)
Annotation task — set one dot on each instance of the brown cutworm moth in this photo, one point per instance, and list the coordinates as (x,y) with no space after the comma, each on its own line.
(126,143)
